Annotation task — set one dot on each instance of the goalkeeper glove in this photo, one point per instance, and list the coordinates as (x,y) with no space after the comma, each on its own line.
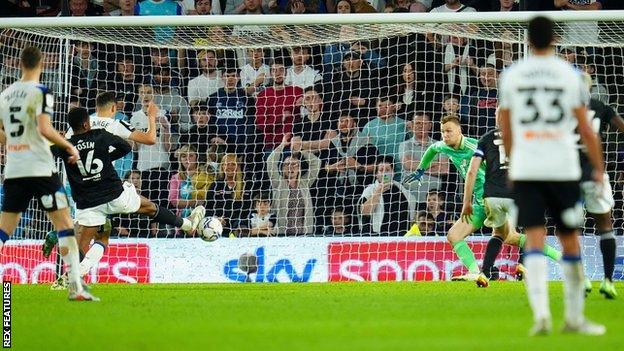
(415,177)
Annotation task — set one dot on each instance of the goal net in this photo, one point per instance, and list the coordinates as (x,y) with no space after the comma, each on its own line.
(285,132)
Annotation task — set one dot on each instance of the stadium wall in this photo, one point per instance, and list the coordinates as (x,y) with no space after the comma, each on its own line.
(281,260)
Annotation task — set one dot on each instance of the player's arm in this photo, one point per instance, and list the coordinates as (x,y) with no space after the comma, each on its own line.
(617,122)
(148,137)
(121,146)
(469,183)
(505,128)
(45,128)
(425,162)
(2,134)
(590,139)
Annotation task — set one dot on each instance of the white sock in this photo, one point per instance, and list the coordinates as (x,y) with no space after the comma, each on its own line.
(537,284)
(92,258)
(186,224)
(573,289)
(71,259)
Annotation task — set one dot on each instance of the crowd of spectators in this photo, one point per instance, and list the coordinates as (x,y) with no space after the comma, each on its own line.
(303,140)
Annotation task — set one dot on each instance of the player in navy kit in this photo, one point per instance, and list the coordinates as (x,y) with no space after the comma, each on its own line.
(99,192)
(598,198)
(499,204)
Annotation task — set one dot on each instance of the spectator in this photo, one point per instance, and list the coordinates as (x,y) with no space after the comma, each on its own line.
(209,80)
(450,105)
(300,74)
(412,150)
(276,107)
(580,32)
(453,6)
(255,75)
(230,106)
(426,223)
(485,102)
(348,163)
(435,208)
(508,5)
(311,123)
(188,187)
(160,57)
(247,7)
(362,6)
(409,96)
(78,8)
(344,6)
(169,99)
(387,205)
(158,8)
(205,132)
(229,196)
(291,189)
(460,66)
(206,7)
(126,8)
(340,224)
(262,221)
(153,160)
(353,88)
(126,82)
(85,70)
(597,91)
(334,53)
(387,131)
(301,6)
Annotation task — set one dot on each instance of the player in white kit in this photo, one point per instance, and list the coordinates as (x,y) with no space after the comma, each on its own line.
(26,108)
(542,103)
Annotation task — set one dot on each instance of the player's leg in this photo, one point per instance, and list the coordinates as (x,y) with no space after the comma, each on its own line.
(17,195)
(456,237)
(96,251)
(68,248)
(563,200)
(165,216)
(8,223)
(599,203)
(604,228)
(496,218)
(531,206)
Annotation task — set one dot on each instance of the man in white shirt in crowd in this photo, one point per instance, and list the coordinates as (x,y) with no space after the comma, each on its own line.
(255,75)
(453,6)
(153,160)
(300,74)
(208,82)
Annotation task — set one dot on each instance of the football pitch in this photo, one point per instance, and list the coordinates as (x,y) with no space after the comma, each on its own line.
(339,316)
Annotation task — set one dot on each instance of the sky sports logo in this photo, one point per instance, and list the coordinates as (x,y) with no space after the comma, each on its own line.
(6,315)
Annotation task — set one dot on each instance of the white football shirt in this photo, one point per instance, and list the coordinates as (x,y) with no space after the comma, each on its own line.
(116,127)
(28,152)
(149,156)
(541,94)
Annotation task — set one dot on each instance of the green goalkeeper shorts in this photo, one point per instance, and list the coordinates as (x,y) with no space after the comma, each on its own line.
(478,215)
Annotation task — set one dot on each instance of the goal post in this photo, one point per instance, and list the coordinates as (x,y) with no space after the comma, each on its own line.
(357,93)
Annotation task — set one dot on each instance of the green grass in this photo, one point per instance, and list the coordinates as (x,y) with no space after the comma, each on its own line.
(341,316)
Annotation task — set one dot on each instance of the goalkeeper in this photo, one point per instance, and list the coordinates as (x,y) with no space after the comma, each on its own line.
(460,150)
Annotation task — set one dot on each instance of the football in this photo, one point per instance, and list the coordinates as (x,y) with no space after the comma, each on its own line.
(210,229)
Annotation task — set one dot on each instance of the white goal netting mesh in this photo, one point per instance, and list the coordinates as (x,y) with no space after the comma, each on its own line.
(286,125)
